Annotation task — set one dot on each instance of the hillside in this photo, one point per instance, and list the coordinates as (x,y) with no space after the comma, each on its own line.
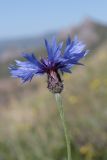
(91,32)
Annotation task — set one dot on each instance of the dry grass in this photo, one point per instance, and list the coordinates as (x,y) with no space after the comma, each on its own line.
(29,123)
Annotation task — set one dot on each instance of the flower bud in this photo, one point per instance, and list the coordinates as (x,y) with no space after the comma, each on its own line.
(55,84)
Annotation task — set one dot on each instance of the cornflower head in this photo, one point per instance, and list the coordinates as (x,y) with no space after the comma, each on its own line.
(54,65)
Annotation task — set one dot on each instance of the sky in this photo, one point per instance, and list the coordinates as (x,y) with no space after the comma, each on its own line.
(19,18)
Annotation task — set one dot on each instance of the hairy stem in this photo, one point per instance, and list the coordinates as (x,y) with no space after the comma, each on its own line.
(61,112)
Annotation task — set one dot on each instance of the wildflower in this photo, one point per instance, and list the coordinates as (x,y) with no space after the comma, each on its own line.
(56,63)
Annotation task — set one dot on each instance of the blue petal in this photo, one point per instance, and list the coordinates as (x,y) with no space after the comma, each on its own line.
(31,58)
(57,53)
(74,51)
(53,46)
(27,69)
(23,72)
(75,47)
(68,41)
(48,48)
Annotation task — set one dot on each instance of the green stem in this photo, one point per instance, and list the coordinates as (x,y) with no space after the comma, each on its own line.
(61,112)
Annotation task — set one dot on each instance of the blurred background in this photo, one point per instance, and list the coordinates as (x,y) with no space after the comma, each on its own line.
(30,126)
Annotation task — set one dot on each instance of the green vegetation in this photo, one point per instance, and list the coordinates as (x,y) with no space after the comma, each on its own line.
(30,127)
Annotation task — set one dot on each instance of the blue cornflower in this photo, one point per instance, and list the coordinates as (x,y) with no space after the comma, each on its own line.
(58,61)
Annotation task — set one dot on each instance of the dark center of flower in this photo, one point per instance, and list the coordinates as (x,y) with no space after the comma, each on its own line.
(55,84)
